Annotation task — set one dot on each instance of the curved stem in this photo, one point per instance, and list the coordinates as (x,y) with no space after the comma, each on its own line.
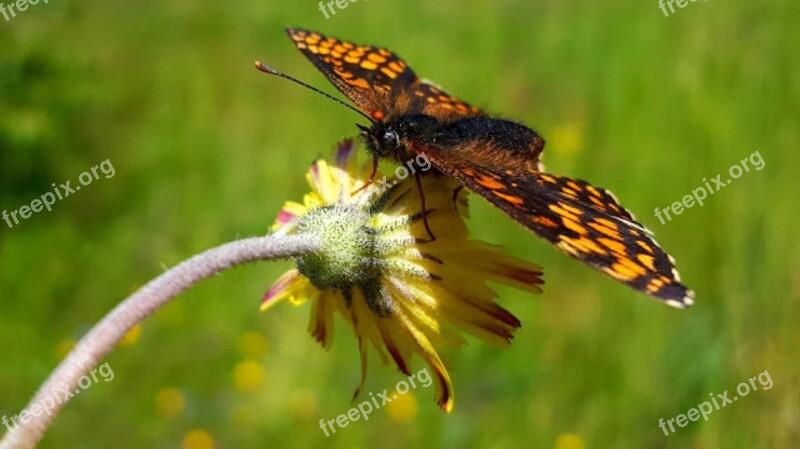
(102,338)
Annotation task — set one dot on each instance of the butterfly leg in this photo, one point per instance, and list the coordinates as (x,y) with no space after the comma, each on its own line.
(418,178)
(456,191)
(371,177)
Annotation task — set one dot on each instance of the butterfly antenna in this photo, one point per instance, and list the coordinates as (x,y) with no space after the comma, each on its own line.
(269,70)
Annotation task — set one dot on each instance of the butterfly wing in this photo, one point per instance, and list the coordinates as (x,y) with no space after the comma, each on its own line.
(378,81)
(582,220)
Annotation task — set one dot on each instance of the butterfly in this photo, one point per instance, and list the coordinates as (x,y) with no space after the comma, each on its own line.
(495,158)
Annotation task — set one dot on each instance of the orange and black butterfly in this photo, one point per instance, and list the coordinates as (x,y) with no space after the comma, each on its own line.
(497,159)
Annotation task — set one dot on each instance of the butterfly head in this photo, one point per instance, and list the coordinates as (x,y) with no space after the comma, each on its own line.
(381,140)
(385,138)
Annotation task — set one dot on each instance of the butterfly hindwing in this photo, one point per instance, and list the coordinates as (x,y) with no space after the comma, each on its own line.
(438,103)
(582,220)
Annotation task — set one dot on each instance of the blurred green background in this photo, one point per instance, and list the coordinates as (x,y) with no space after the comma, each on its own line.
(206,149)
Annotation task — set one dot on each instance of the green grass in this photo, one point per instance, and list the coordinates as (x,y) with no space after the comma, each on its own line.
(206,149)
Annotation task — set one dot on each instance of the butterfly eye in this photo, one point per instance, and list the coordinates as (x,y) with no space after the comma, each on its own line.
(390,139)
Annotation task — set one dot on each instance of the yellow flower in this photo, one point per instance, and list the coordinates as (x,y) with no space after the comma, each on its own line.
(401,292)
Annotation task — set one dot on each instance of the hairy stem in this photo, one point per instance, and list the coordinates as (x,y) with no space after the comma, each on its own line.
(102,338)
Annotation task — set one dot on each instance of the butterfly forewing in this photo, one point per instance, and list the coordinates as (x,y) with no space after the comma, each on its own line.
(378,81)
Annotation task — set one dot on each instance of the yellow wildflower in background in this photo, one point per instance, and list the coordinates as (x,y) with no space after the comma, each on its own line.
(198,439)
(567,137)
(132,336)
(401,292)
(248,376)
(170,402)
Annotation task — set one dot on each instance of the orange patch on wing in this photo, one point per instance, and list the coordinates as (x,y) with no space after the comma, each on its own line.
(572,209)
(583,244)
(647,261)
(633,266)
(376,58)
(569,192)
(613,245)
(563,212)
(605,230)
(548,178)
(655,285)
(645,246)
(574,226)
(489,183)
(515,200)
(622,272)
(597,202)
(359,82)
(607,222)
(389,73)
(544,221)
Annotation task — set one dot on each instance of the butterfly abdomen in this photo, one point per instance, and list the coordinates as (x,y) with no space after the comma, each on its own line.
(498,141)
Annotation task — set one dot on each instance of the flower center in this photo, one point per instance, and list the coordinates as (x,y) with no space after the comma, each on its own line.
(346,256)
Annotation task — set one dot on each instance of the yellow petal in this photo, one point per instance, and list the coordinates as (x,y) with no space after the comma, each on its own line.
(444,386)
(290,285)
